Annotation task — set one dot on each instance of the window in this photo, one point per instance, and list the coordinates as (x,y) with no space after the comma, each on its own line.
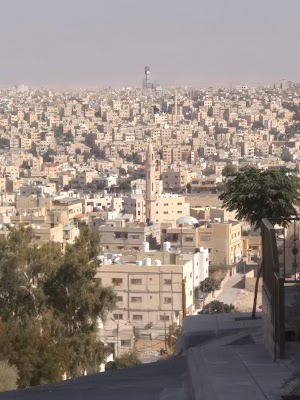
(188,239)
(136,281)
(205,238)
(179,204)
(166,204)
(125,343)
(167,281)
(164,318)
(119,298)
(136,299)
(118,316)
(167,300)
(166,212)
(137,317)
(135,236)
(117,281)
(190,275)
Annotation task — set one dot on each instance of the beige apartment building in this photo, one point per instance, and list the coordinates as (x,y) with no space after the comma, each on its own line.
(166,207)
(223,240)
(69,204)
(45,233)
(118,235)
(175,179)
(29,202)
(251,247)
(149,295)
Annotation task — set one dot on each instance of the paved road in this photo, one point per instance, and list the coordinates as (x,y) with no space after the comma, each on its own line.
(232,288)
(151,381)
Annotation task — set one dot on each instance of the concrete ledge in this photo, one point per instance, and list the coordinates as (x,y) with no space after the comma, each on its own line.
(204,328)
(234,373)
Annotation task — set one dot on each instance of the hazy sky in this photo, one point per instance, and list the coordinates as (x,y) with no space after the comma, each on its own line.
(108,42)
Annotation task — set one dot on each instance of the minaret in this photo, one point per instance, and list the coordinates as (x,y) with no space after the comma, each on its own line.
(150,185)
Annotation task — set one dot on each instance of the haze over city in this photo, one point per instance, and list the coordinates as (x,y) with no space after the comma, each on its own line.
(149,200)
(99,43)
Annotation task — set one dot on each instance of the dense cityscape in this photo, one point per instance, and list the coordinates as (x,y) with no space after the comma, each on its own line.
(123,187)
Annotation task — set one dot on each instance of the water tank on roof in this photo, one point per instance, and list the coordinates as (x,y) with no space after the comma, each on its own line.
(157,263)
(145,247)
(166,246)
(147,262)
(139,263)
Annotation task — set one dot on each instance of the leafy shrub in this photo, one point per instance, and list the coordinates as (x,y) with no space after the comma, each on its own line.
(8,376)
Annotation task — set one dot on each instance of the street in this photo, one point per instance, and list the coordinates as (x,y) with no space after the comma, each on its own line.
(231,289)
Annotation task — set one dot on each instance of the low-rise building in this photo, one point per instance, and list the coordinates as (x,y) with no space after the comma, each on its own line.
(149,293)
(223,240)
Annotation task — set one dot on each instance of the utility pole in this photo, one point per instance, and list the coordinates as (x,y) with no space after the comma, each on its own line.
(118,330)
(165,332)
(183,299)
(203,291)
(171,338)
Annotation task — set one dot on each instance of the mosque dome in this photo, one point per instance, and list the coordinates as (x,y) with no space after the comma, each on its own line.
(187,220)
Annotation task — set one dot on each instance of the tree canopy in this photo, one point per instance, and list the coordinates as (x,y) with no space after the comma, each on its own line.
(229,170)
(125,360)
(49,307)
(209,285)
(256,194)
(217,307)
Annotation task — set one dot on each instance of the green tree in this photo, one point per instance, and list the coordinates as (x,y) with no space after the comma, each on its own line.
(209,285)
(8,376)
(217,307)
(126,360)
(23,270)
(257,125)
(256,194)
(50,304)
(48,155)
(75,294)
(229,170)
(68,137)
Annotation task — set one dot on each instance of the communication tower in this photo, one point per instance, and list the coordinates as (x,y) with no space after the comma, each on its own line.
(147,73)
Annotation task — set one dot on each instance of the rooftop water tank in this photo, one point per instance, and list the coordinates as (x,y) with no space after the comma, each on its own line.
(147,262)
(166,246)
(145,247)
